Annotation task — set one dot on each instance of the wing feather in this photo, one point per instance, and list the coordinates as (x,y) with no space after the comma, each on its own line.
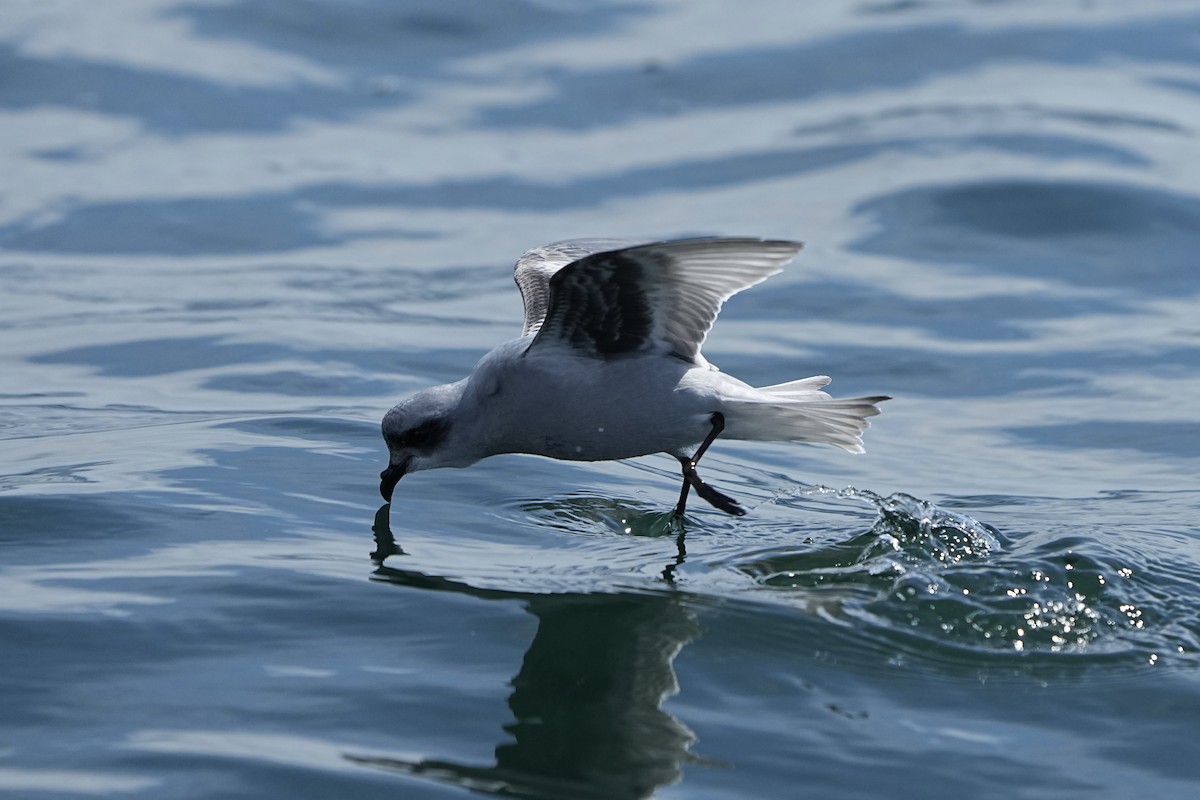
(535,268)
(662,296)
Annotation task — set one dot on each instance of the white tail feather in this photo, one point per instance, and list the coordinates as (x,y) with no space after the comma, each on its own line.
(803,389)
(799,412)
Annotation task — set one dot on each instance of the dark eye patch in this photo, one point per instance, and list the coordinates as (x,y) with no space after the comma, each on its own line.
(426,436)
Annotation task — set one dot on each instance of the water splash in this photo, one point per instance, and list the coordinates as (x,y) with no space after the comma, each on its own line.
(898,574)
(926,578)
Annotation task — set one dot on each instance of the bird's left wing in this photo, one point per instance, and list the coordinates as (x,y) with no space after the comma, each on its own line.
(536,267)
(655,297)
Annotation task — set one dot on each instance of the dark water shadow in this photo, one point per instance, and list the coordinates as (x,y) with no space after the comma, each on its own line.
(171,103)
(189,226)
(914,372)
(587,702)
(265,222)
(1174,439)
(1084,233)
(1113,248)
(871,60)
(419,38)
(165,356)
(379,47)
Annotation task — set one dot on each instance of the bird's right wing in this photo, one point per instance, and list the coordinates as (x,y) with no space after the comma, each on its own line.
(660,297)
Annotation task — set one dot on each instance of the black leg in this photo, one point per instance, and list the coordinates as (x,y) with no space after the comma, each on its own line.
(687,486)
(692,480)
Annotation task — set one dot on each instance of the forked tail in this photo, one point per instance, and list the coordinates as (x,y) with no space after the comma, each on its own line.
(798,411)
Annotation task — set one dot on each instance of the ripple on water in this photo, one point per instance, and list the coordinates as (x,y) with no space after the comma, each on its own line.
(930,580)
(909,578)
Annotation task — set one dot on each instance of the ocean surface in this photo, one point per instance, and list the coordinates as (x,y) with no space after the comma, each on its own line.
(233,233)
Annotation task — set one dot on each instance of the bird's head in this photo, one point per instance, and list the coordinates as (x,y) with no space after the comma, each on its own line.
(417,432)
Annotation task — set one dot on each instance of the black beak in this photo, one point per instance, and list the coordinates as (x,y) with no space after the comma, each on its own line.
(390,477)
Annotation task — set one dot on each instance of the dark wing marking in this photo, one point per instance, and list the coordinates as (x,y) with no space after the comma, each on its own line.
(659,297)
(601,305)
(535,268)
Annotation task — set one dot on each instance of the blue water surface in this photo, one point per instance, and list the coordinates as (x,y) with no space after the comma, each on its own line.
(232,234)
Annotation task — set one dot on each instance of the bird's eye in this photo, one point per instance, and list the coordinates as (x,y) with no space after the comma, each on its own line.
(425,436)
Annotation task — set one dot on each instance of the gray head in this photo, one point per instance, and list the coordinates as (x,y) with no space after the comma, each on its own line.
(416,432)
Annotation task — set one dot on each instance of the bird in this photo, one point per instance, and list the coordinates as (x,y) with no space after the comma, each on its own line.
(608,367)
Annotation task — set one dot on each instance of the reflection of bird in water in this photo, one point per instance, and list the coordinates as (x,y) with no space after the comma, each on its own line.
(587,700)
(586,704)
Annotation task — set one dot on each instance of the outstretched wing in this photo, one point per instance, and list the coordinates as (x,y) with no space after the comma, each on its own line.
(537,266)
(656,297)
